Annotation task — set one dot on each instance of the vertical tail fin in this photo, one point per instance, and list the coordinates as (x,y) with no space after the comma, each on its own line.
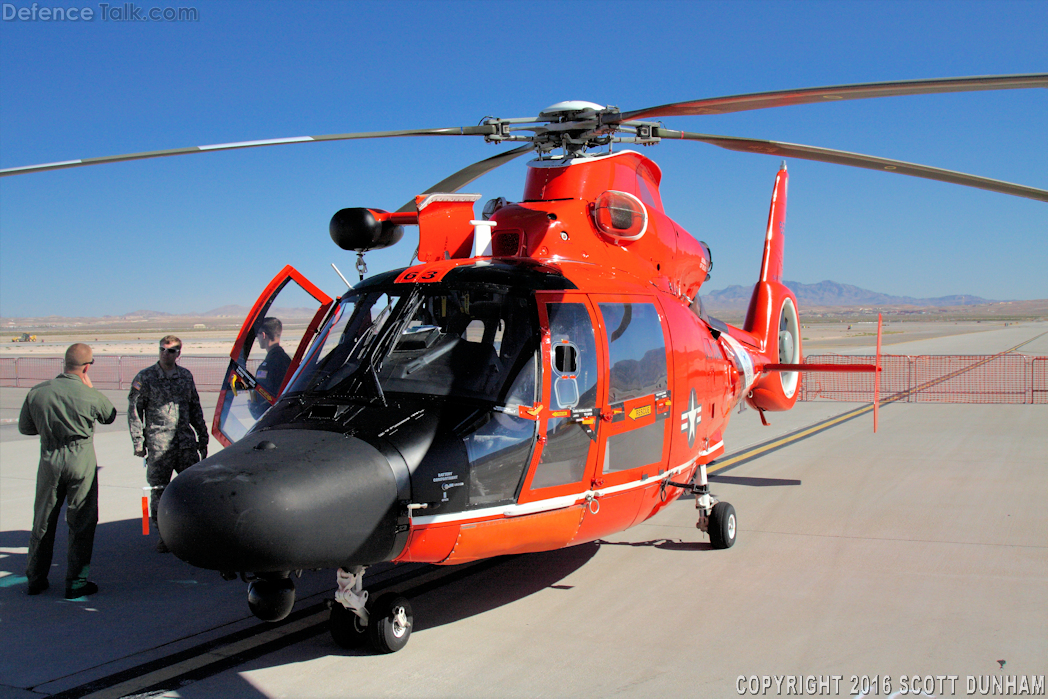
(765,293)
(771,265)
(772,316)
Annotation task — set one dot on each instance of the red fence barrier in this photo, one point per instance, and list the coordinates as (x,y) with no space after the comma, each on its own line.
(1040,381)
(111,372)
(997,378)
(992,378)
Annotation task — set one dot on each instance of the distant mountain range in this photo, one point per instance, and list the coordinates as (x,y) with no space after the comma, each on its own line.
(732,299)
(829,293)
(228,311)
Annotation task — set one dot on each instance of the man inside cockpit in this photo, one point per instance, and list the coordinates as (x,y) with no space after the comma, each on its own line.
(270,373)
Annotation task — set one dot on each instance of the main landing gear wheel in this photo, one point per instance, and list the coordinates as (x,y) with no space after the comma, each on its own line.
(345,627)
(389,624)
(722,526)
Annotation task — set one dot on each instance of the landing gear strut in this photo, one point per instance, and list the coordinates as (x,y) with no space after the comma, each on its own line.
(715,518)
(385,623)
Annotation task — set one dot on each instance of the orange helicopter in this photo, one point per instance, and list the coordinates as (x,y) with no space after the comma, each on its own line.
(544,377)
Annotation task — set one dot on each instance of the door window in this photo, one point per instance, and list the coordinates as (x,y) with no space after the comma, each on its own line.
(573,371)
(638,378)
(267,351)
(636,350)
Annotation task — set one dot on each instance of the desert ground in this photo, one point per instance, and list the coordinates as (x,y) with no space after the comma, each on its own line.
(908,555)
(115,338)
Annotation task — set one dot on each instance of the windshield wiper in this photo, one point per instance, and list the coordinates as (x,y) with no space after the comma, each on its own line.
(366,373)
(365,380)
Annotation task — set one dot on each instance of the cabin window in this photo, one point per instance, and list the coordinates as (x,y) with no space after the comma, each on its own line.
(565,358)
(637,358)
(636,349)
(500,445)
(574,385)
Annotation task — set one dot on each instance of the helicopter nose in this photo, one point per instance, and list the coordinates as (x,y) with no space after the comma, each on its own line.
(283,500)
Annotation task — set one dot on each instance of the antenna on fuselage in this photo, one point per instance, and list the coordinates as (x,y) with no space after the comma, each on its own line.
(348,285)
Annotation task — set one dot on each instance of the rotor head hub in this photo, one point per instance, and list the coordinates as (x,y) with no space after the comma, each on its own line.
(571,110)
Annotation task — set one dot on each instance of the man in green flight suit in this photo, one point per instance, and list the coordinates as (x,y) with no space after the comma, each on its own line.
(166,422)
(63,411)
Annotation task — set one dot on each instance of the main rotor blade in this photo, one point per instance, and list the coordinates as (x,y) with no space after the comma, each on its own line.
(835,93)
(482,130)
(469,173)
(870,162)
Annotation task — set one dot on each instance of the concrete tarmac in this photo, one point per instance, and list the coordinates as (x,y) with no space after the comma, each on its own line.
(1033,336)
(921,550)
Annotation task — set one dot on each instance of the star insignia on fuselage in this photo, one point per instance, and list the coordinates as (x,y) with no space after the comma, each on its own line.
(690,418)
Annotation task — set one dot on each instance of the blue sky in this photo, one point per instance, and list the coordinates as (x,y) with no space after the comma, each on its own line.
(193,233)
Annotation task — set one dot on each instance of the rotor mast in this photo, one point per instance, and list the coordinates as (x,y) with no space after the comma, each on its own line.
(574,126)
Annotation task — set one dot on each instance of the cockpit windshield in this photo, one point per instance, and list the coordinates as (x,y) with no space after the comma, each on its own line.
(476,341)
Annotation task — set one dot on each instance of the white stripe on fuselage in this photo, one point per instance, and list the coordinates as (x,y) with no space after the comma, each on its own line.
(549,504)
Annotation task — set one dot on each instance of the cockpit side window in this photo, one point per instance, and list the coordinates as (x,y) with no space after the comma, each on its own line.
(464,342)
(468,342)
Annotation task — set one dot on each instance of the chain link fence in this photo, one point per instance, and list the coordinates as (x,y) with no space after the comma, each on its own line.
(994,378)
(112,372)
(997,378)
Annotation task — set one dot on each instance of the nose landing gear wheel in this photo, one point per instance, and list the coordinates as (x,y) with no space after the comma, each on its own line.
(390,622)
(345,627)
(722,526)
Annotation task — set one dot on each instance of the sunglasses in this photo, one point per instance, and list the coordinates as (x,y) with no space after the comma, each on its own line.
(172,350)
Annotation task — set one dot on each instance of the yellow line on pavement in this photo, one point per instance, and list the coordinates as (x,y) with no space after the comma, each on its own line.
(760,449)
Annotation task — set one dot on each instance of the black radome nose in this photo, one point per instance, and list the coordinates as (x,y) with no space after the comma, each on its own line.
(283,500)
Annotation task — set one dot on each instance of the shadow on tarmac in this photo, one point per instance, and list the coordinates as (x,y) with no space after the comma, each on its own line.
(146,604)
(511,579)
(151,606)
(500,582)
(664,544)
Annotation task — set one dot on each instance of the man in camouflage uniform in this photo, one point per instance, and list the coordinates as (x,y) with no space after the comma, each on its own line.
(166,422)
(63,411)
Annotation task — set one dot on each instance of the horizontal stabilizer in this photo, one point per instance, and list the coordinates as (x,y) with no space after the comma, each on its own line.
(823,367)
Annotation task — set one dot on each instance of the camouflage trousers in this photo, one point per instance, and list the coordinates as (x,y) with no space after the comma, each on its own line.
(159,468)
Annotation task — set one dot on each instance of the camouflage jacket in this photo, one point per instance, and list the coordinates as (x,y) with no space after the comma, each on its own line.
(163,411)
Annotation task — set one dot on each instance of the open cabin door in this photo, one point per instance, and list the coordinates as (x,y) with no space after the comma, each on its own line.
(256,376)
